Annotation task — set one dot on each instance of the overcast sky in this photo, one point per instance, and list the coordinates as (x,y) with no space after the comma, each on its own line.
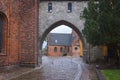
(62,29)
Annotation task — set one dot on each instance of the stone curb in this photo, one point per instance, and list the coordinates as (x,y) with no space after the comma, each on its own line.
(25,73)
(99,74)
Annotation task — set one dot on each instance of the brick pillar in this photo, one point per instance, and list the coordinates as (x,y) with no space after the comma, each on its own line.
(28,23)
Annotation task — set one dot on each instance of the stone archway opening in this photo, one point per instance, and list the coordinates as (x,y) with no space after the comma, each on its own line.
(56,40)
(58,23)
(62,22)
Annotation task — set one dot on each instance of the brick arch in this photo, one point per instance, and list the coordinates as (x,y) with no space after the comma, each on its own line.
(5,33)
(5,41)
(58,23)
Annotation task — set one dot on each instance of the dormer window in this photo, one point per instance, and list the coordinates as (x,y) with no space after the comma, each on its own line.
(69,7)
(56,41)
(49,7)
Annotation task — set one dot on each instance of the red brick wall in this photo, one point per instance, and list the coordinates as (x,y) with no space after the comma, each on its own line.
(28,17)
(75,43)
(9,53)
(19,32)
(58,53)
(51,51)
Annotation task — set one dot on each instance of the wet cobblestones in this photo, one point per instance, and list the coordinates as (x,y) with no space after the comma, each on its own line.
(61,68)
(53,68)
(7,74)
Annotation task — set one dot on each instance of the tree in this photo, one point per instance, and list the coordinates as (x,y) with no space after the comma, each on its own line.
(90,14)
(102,24)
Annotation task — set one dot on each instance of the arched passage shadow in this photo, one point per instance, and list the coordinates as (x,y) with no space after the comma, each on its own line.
(62,22)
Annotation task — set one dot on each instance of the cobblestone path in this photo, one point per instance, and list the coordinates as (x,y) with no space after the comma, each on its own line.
(61,68)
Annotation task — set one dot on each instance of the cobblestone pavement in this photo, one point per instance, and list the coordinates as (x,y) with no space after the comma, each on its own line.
(57,68)
(7,74)
(88,72)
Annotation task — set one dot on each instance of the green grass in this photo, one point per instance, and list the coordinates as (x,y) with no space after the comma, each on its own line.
(111,74)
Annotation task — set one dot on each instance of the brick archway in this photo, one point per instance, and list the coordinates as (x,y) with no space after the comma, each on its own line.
(5,33)
(5,41)
(56,24)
